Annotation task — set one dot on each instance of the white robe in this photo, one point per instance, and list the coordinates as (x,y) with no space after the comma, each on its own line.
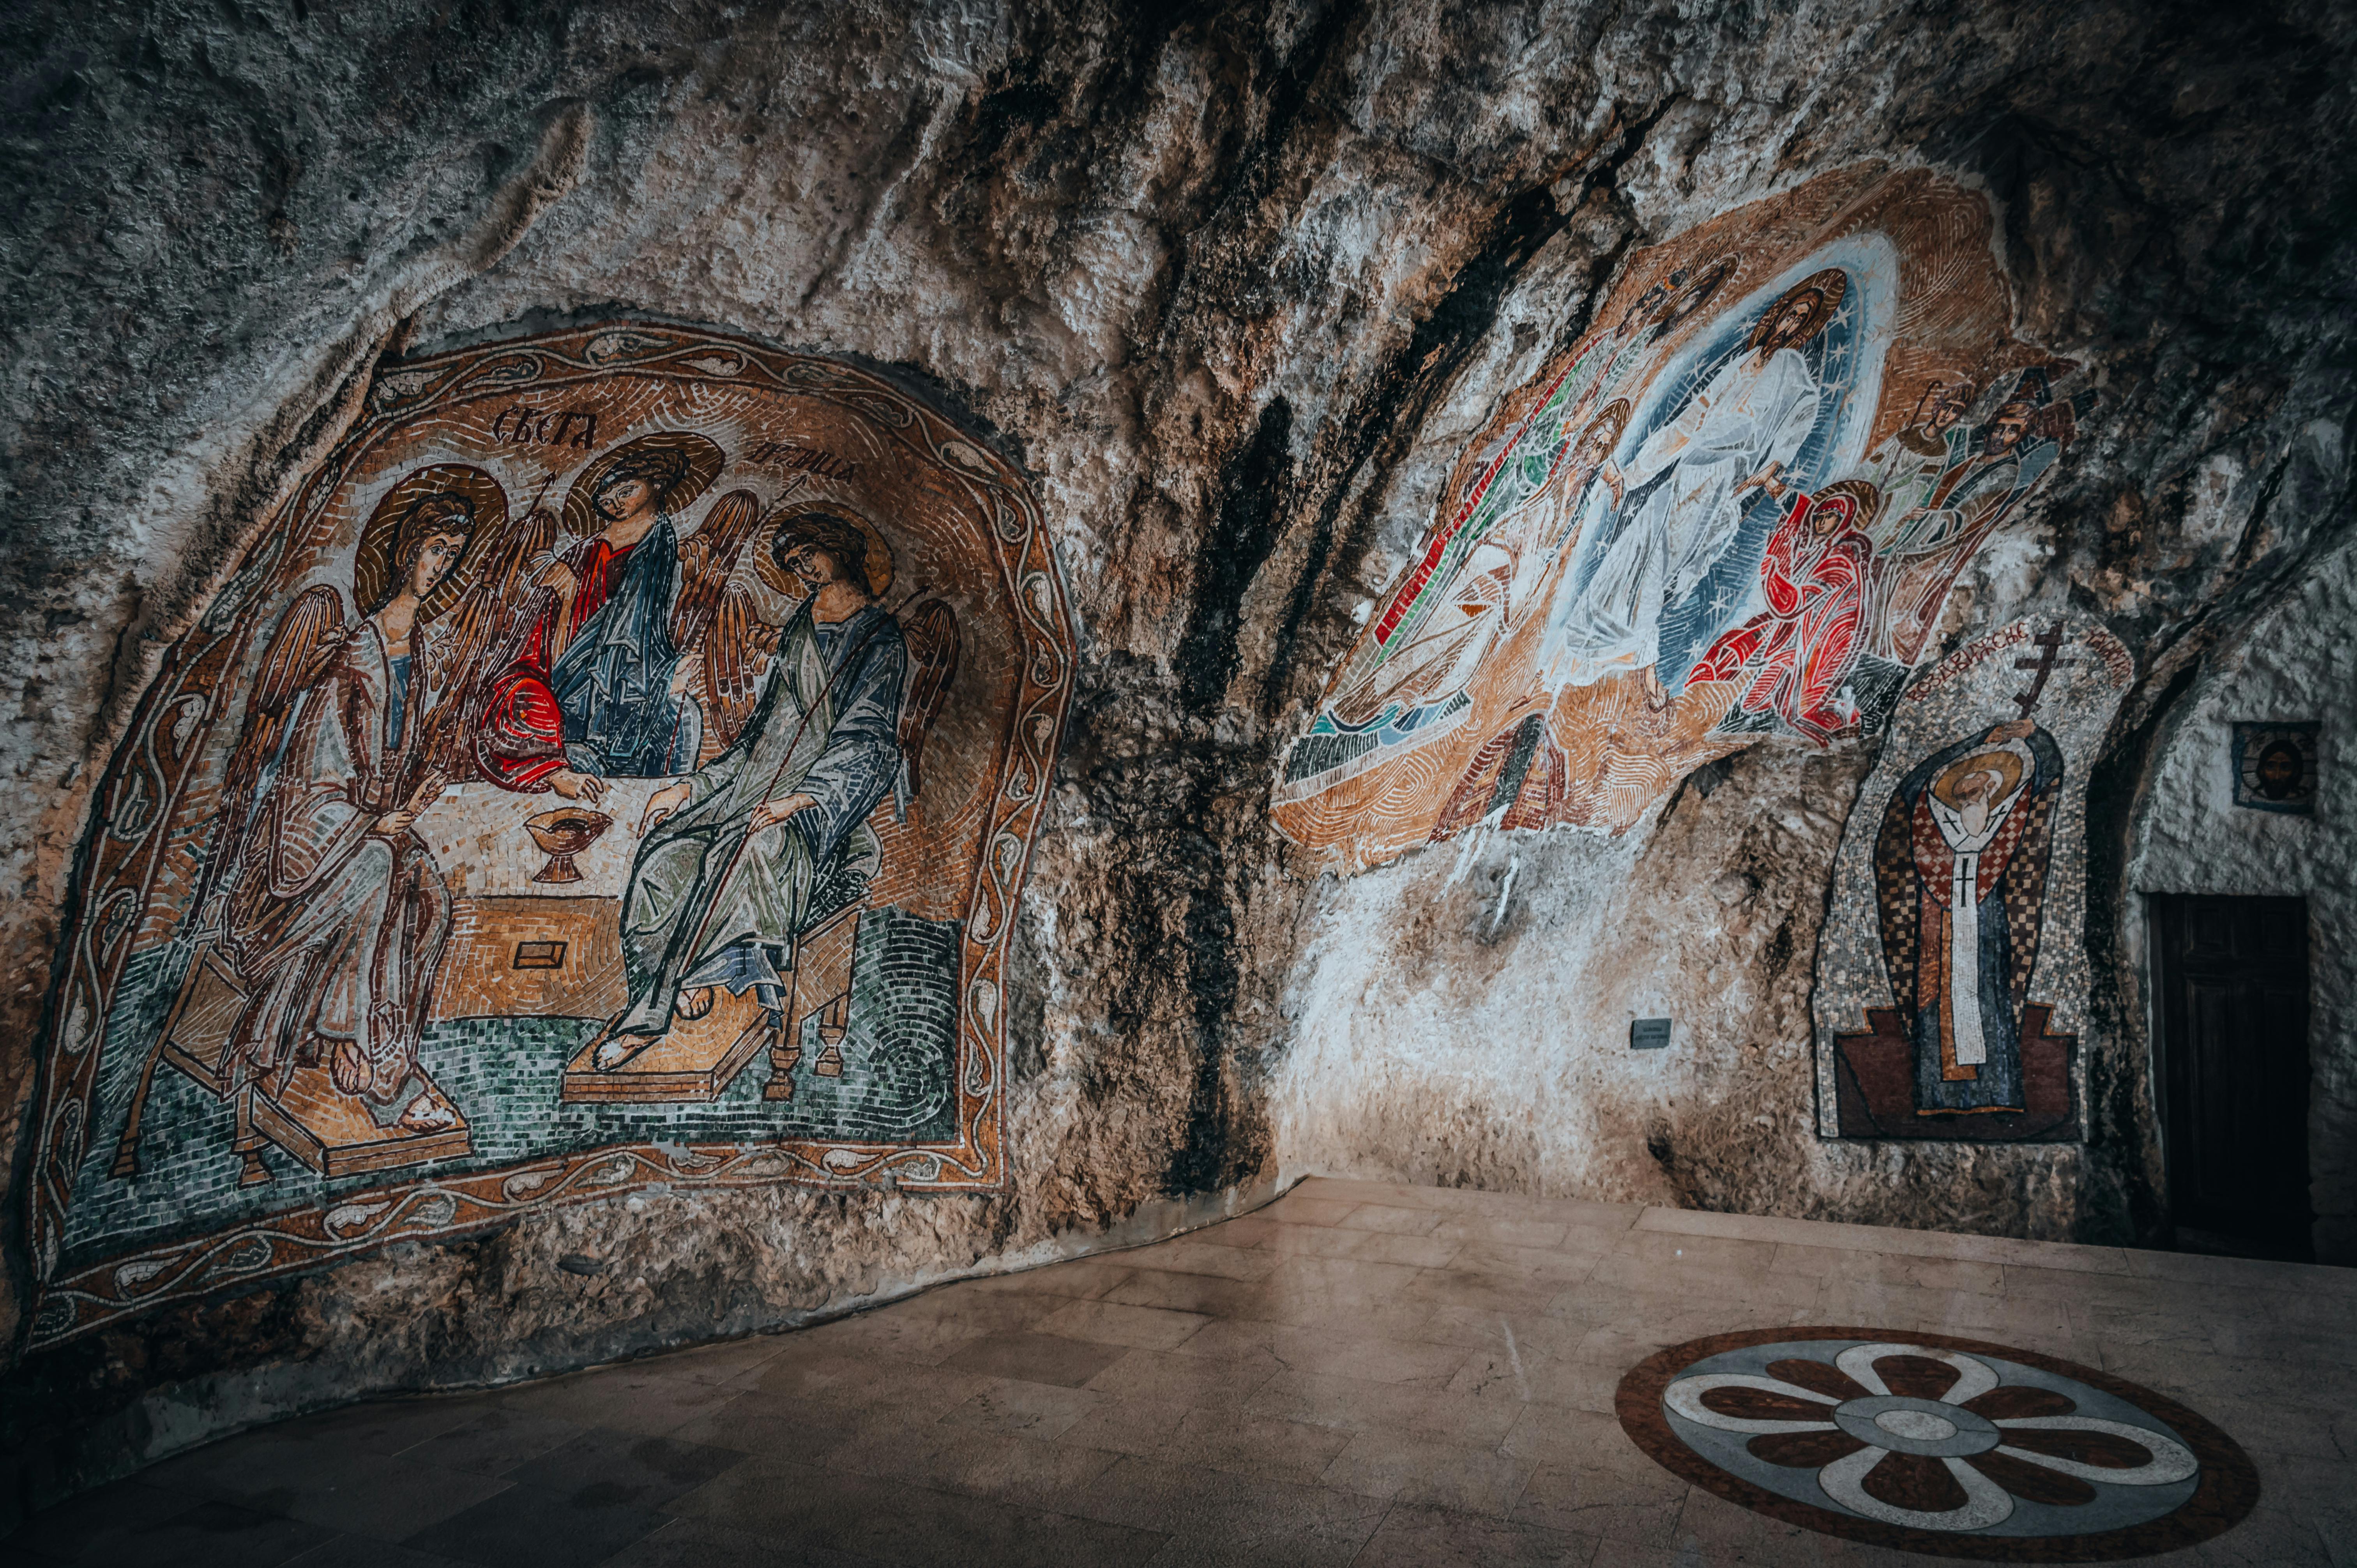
(1744,419)
(1964,992)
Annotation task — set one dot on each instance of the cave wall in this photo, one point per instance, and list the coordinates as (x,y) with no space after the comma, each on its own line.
(1463,1016)
(616,768)
(1444,1034)
(1235,290)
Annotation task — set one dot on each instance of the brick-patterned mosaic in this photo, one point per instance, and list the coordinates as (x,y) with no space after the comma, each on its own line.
(1952,978)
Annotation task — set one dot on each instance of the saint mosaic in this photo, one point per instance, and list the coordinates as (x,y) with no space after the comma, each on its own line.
(1951,977)
(616,764)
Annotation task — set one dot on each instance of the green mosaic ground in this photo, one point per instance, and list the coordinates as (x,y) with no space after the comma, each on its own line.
(899,1053)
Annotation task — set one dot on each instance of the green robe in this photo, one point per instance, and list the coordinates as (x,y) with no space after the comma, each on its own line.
(708,899)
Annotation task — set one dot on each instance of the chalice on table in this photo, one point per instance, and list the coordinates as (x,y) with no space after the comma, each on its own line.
(564,833)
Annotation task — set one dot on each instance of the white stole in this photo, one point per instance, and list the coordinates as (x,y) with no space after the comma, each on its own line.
(1962,992)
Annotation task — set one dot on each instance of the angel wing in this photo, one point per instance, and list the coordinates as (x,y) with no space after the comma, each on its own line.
(309,636)
(706,561)
(735,647)
(931,631)
(484,632)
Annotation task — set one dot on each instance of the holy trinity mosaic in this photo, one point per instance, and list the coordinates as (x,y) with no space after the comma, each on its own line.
(616,764)
(1734,509)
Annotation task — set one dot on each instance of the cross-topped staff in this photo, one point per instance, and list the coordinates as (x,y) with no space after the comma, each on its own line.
(2050,642)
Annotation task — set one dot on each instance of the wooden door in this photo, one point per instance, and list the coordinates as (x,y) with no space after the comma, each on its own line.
(2232,981)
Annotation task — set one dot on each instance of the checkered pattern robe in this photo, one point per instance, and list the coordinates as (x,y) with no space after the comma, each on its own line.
(1912,867)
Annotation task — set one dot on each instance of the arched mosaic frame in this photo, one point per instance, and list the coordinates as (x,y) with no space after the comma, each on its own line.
(137,857)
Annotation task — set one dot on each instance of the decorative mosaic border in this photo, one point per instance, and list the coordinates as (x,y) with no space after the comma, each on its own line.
(2228,1490)
(125,852)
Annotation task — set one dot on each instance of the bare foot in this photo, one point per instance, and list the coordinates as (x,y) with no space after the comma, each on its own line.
(616,1050)
(1656,696)
(693,1004)
(348,1070)
(423,1116)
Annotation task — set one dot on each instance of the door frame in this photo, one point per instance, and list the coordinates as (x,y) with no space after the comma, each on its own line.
(2165,914)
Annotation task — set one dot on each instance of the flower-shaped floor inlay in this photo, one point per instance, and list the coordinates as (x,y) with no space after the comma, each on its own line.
(1932,1443)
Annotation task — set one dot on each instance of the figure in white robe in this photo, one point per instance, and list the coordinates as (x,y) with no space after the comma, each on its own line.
(1494,586)
(1688,486)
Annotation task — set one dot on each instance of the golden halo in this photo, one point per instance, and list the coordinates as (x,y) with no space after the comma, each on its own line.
(372,563)
(2003,764)
(1865,502)
(1828,284)
(705,461)
(879,554)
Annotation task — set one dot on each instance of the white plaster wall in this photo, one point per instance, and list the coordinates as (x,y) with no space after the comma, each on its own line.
(2298,663)
(1451,1026)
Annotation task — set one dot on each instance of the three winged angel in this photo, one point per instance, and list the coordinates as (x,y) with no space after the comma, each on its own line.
(332,913)
(327,905)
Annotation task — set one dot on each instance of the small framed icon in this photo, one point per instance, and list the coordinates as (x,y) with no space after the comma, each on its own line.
(2274,767)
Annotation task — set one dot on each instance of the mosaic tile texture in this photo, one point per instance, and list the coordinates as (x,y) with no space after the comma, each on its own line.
(1950,974)
(615,764)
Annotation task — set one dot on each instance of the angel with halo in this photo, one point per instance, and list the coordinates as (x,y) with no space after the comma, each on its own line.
(736,860)
(333,914)
(595,624)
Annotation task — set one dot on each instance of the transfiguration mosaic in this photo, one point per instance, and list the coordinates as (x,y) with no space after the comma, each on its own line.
(1734,509)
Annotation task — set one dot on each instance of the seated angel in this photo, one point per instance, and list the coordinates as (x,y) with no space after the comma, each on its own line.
(733,855)
(335,915)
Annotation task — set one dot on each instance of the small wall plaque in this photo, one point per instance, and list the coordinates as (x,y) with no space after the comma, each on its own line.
(1649,1034)
(2274,767)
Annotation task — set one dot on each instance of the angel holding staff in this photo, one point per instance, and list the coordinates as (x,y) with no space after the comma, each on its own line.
(335,915)
(731,854)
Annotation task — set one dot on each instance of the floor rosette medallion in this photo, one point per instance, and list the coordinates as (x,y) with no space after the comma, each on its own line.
(1925,1442)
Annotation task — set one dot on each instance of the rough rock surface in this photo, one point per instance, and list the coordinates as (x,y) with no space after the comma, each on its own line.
(1232,284)
(1464,1019)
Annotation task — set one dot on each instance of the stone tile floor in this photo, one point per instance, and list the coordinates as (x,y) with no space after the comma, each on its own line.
(1360,1373)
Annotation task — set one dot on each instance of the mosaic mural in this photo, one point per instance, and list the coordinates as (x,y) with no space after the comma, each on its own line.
(1951,976)
(1924,1443)
(618,764)
(1734,509)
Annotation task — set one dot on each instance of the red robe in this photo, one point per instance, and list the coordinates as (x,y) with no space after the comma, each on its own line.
(519,731)
(1804,645)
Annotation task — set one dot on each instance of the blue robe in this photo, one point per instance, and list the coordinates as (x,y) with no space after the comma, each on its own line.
(711,903)
(613,682)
